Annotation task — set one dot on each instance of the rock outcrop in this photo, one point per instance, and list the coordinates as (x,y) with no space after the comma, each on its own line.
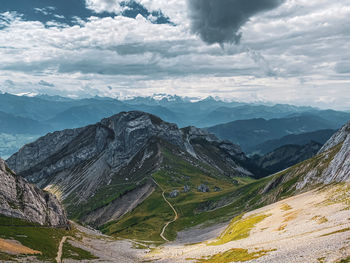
(117,155)
(337,149)
(20,199)
(330,165)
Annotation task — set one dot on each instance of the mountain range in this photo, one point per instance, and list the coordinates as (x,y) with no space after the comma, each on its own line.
(135,176)
(104,171)
(320,137)
(286,156)
(252,134)
(27,117)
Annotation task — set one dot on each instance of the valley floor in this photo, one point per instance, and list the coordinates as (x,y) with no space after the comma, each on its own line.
(311,227)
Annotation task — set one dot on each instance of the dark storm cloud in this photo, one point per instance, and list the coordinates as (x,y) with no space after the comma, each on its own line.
(219,21)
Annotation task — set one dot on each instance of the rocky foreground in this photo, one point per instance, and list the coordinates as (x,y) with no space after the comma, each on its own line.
(311,227)
(19,199)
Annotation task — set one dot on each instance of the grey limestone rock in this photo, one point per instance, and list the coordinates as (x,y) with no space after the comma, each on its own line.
(203,188)
(19,199)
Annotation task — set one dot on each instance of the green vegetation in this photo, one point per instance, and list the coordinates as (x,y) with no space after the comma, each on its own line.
(239,228)
(282,227)
(236,196)
(234,255)
(7,257)
(139,246)
(339,194)
(145,222)
(344,260)
(194,208)
(286,207)
(103,197)
(72,252)
(148,219)
(30,235)
(336,232)
(321,260)
(320,219)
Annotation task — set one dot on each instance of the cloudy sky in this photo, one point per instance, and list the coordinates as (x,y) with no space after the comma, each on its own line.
(286,51)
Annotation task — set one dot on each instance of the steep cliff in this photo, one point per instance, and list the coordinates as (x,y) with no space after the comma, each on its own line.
(20,199)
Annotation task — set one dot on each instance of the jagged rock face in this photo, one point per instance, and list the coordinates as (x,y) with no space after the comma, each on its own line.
(81,161)
(331,165)
(339,137)
(339,167)
(20,199)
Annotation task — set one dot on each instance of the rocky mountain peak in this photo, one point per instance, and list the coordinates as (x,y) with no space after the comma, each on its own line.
(121,152)
(339,137)
(20,199)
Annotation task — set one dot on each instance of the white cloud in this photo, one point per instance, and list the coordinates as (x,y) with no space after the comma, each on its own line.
(297,53)
(100,6)
(176,10)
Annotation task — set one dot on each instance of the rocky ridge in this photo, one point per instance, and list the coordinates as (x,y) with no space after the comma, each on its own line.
(116,157)
(20,199)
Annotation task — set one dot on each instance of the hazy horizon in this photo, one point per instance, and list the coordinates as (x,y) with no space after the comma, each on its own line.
(161,96)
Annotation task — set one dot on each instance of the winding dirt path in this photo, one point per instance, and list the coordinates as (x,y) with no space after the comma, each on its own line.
(175,213)
(60,248)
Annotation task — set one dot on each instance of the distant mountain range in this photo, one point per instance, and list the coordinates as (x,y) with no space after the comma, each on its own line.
(12,124)
(25,117)
(286,156)
(59,112)
(252,134)
(320,137)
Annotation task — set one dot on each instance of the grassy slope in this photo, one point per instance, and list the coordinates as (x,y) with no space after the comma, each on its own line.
(239,228)
(145,222)
(45,240)
(194,208)
(148,219)
(234,255)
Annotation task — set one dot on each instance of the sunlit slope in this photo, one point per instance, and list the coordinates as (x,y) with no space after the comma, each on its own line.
(310,227)
(233,199)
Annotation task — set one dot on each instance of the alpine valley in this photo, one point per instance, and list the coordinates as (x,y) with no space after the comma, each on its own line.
(136,188)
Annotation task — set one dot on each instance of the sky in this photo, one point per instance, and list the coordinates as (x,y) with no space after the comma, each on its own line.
(282,51)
